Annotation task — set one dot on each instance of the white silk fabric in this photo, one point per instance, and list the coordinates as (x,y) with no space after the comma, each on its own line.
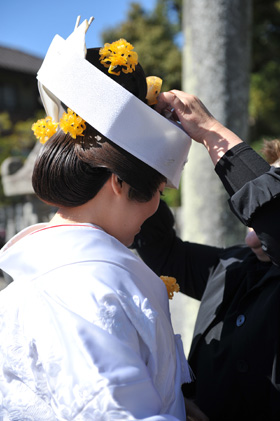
(85,332)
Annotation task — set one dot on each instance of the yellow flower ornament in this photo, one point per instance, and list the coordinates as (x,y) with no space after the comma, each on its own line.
(71,123)
(154,84)
(171,285)
(119,53)
(44,129)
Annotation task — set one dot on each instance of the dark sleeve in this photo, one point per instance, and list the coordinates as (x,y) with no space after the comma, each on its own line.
(254,189)
(166,254)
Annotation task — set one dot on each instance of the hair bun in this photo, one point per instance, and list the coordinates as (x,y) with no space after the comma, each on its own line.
(134,82)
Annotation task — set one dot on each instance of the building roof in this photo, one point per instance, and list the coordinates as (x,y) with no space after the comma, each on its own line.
(19,61)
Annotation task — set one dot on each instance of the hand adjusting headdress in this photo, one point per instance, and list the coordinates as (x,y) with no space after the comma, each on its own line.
(67,77)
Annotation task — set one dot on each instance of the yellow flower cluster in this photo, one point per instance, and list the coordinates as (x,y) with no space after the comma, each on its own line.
(119,53)
(70,123)
(171,285)
(154,84)
(44,129)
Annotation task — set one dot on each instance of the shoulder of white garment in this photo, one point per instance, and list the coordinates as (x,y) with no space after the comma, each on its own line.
(99,308)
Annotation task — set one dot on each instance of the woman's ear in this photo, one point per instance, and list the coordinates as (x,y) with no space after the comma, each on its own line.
(116,184)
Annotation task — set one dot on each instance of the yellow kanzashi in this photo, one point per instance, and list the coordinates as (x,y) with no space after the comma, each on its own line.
(171,285)
(119,53)
(154,84)
(71,123)
(44,129)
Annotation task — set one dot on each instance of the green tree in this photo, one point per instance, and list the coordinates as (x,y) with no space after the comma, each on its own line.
(265,72)
(16,140)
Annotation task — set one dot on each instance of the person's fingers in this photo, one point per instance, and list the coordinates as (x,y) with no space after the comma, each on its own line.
(252,240)
(255,244)
(177,100)
(165,102)
(194,117)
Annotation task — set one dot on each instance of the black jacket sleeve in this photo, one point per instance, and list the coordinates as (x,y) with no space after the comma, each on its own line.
(254,189)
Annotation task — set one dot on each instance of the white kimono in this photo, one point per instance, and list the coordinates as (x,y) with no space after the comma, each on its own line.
(85,331)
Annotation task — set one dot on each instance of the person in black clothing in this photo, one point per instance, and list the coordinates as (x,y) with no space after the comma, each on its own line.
(235,351)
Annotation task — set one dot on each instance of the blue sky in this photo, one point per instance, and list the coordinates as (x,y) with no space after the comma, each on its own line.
(30,25)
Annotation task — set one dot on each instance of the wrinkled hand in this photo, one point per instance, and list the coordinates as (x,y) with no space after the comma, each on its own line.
(189,110)
(193,412)
(198,122)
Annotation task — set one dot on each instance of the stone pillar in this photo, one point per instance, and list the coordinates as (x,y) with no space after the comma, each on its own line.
(216,66)
(216,62)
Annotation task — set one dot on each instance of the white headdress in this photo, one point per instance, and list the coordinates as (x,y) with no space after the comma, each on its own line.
(66,76)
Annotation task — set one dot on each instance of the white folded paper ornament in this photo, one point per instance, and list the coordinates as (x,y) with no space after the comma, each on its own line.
(66,76)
